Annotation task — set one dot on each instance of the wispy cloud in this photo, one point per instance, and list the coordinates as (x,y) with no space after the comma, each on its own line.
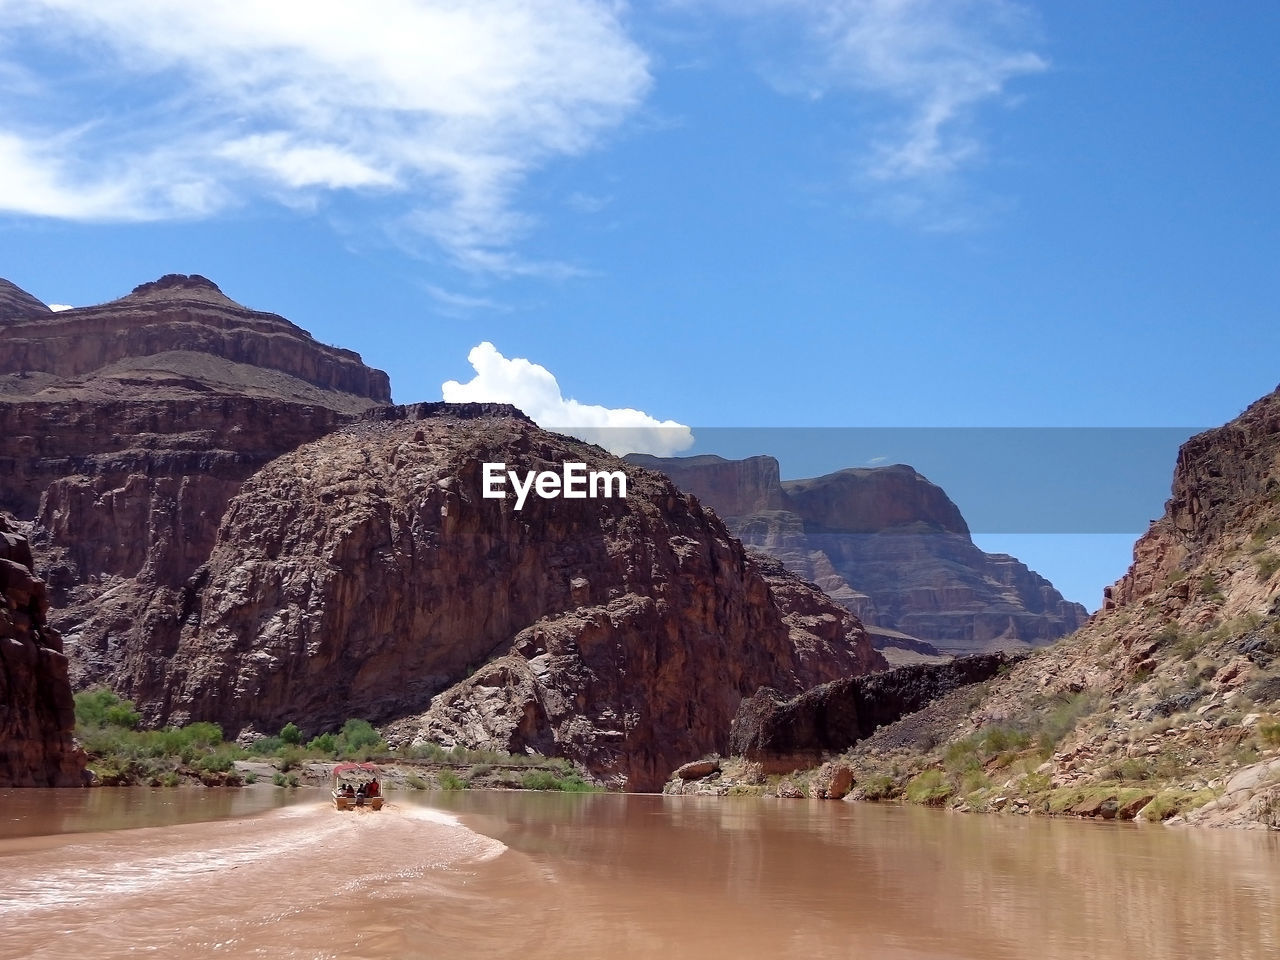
(59,307)
(453,303)
(534,389)
(917,73)
(440,108)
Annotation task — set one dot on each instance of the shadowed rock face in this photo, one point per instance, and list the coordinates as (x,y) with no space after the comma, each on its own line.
(1226,486)
(124,431)
(364,574)
(785,734)
(37,713)
(887,544)
(236,527)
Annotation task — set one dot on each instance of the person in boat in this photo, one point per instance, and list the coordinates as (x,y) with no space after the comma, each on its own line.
(372,789)
(348,791)
(360,794)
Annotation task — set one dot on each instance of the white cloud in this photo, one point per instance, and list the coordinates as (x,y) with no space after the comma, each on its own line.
(59,307)
(168,108)
(929,64)
(534,389)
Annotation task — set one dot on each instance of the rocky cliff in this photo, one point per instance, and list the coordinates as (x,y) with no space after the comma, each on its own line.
(889,545)
(236,526)
(1166,705)
(124,431)
(37,714)
(176,336)
(784,734)
(365,575)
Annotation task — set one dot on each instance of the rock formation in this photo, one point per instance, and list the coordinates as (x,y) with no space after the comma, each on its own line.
(784,734)
(889,545)
(124,431)
(1166,704)
(365,575)
(236,526)
(37,713)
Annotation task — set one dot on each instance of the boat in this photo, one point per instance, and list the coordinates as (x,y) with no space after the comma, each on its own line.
(357,785)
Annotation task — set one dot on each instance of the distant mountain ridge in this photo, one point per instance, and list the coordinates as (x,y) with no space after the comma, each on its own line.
(889,545)
(174,337)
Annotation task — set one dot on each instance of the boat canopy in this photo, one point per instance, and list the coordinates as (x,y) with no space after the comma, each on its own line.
(355,773)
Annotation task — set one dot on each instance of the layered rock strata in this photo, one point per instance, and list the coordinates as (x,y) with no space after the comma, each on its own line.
(37,713)
(890,546)
(126,428)
(365,575)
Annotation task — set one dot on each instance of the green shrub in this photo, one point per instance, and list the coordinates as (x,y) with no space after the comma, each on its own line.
(540,780)
(1062,716)
(930,787)
(1268,564)
(1269,732)
(546,780)
(415,782)
(215,762)
(359,740)
(290,734)
(291,757)
(279,779)
(326,743)
(170,779)
(102,708)
(879,787)
(451,781)
(266,746)
(250,777)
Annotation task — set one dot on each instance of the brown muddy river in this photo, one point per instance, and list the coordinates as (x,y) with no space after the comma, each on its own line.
(188,873)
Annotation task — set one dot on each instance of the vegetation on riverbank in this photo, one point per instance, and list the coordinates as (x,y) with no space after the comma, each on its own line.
(120,753)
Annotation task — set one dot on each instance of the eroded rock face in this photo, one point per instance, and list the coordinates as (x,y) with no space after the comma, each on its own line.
(364,575)
(180,334)
(1226,487)
(37,713)
(888,545)
(124,431)
(791,733)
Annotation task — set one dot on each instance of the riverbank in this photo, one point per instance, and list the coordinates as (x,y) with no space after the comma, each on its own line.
(1119,722)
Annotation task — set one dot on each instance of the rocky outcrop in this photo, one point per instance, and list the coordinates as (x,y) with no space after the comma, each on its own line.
(1165,706)
(365,575)
(176,335)
(887,544)
(126,428)
(1226,489)
(37,713)
(16,304)
(791,733)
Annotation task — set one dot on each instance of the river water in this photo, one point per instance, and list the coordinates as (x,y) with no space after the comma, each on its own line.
(263,872)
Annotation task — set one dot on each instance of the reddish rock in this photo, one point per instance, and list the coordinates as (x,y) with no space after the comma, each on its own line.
(125,429)
(364,575)
(1226,482)
(831,781)
(888,545)
(791,733)
(697,769)
(37,713)
(787,790)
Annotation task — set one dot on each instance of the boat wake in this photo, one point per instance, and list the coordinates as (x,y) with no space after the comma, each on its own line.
(210,886)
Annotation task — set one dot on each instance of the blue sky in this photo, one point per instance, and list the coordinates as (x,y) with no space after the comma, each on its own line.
(771,213)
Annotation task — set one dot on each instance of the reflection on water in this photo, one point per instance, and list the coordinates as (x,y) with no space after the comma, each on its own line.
(638,876)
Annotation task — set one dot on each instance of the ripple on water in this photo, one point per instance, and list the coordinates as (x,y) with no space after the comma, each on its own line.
(282,884)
